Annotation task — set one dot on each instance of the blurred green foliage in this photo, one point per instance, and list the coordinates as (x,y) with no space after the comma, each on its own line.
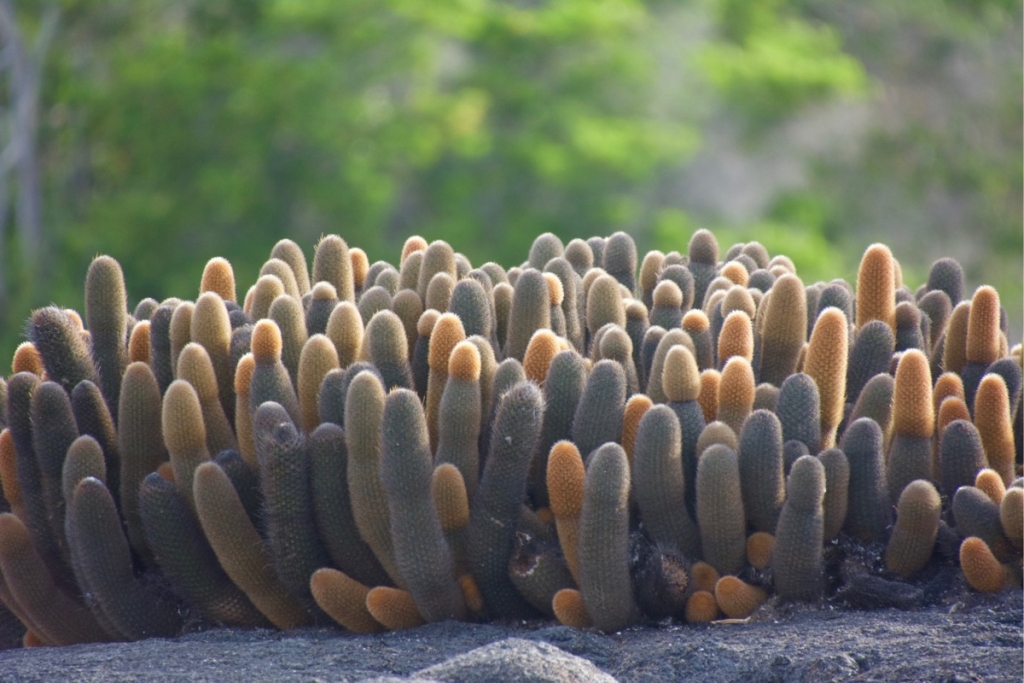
(175,130)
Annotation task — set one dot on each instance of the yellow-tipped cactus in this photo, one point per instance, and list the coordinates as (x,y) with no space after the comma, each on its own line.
(826,365)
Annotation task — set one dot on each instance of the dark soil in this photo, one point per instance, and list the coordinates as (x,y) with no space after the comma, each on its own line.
(976,638)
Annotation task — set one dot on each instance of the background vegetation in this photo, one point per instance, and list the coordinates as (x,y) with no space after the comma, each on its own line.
(164,132)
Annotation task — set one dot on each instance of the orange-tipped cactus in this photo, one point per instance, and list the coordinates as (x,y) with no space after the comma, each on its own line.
(738,599)
(876,287)
(982,570)
(826,364)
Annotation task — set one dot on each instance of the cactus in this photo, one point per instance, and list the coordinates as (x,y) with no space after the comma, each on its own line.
(538,572)
(93,419)
(908,328)
(867,514)
(103,567)
(636,407)
(106,313)
(917,523)
(761,470)
(469,301)
(784,330)
(735,392)
(982,570)
(439,292)
(871,353)
(447,332)
(655,379)
(798,410)
(736,338)
(64,352)
(1011,514)
(604,541)
(580,255)
(720,511)
(909,456)
(385,345)
(876,287)
(571,301)
(530,310)
(291,254)
(797,553)
(837,487)
(946,275)
(194,367)
(211,329)
(332,509)
(332,263)
(544,248)
(977,515)
(738,599)
(542,349)
(184,434)
(43,606)
(954,346)
(992,418)
(186,558)
(703,251)
(598,417)
(991,484)
(502,489)
(422,554)
(982,344)
(961,455)
(701,607)
(240,550)
(270,380)
(438,257)
(620,259)
(343,599)
(283,272)
(650,269)
(565,383)
(459,415)
(826,364)
(659,482)
(565,481)
(759,549)
(346,331)
(295,549)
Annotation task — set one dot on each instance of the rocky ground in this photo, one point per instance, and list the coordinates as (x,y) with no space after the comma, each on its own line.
(974,638)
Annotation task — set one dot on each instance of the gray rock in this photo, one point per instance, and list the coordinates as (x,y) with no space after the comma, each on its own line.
(515,659)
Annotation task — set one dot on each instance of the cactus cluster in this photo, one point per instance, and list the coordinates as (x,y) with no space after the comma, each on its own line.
(380,446)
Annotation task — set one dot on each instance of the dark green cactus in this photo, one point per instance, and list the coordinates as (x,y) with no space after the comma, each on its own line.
(977,515)
(422,554)
(545,247)
(870,355)
(797,552)
(46,609)
(837,488)
(386,347)
(470,303)
(295,548)
(946,275)
(579,254)
(84,459)
(332,508)
(720,511)
(103,567)
(620,259)
(53,432)
(761,470)
(659,485)
(64,352)
(439,257)
(332,263)
(703,250)
(270,380)
(604,541)
(598,417)
(93,418)
(530,310)
(496,507)
(604,304)
(867,514)
(875,401)
(106,314)
(459,412)
(186,559)
(798,411)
